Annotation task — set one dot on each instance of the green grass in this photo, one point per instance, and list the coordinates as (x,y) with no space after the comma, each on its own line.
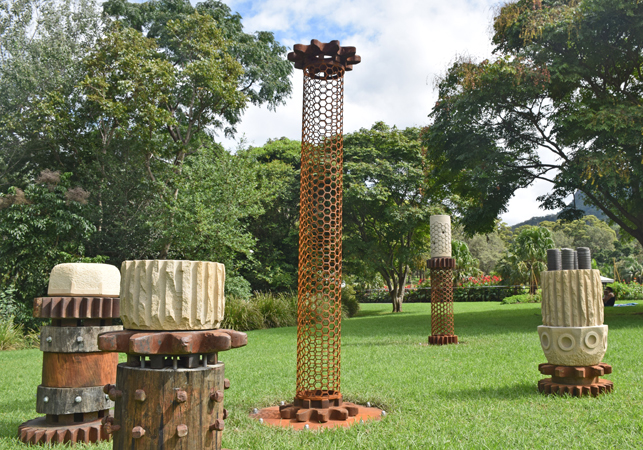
(479,394)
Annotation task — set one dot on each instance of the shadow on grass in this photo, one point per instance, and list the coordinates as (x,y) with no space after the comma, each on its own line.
(510,392)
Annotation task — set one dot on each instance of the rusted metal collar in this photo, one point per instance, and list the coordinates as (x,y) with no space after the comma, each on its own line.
(319,52)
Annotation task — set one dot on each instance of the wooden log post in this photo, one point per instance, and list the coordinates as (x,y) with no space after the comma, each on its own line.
(168,408)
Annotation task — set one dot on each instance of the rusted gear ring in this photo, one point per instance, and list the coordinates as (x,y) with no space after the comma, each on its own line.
(548,386)
(38,431)
(441,263)
(319,52)
(77,307)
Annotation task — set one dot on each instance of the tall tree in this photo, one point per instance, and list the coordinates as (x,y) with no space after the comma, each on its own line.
(386,204)
(273,265)
(561,101)
(527,257)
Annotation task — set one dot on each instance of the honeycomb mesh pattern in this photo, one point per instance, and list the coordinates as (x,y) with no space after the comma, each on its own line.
(442,302)
(319,308)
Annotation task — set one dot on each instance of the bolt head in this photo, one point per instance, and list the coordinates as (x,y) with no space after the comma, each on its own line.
(45,399)
(138,432)
(260,419)
(368,404)
(79,339)
(282,403)
(78,399)
(181,396)
(218,425)
(383,413)
(255,411)
(216,396)
(139,395)
(49,339)
(106,397)
(181,430)
(306,427)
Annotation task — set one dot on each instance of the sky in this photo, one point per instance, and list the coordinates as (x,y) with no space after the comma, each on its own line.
(404,44)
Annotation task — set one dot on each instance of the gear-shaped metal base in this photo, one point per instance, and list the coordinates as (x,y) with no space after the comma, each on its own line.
(576,381)
(290,416)
(38,431)
(443,339)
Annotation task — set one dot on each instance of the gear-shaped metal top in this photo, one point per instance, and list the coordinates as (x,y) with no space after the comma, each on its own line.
(302,55)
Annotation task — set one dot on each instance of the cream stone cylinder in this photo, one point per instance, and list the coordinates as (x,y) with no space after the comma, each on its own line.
(572,298)
(573,346)
(440,236)
(172,295)
(84,279)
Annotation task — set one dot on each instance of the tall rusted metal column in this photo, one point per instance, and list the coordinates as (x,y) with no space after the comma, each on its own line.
(441,265)
(319,309)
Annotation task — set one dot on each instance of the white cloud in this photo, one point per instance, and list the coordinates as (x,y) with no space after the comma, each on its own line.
(404,45)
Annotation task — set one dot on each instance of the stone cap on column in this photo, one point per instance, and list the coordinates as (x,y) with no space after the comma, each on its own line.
(84,279)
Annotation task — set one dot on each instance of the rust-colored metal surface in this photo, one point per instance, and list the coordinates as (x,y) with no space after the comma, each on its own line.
(441,263)
(134,342)
(442,328)
(576,381)
(344,416)
(77,307)
(40,431)
(319,307)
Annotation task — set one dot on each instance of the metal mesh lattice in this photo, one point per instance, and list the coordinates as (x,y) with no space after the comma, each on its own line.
(319,308)
(442,302)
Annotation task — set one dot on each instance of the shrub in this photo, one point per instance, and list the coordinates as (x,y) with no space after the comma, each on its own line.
(277,310)
(350,304)
(242,315)
(12,336)
(522,298)
(624,291)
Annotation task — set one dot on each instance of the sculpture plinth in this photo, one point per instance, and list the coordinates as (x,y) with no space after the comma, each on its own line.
(441,266)
(572,336)
(74,369)
(169,394)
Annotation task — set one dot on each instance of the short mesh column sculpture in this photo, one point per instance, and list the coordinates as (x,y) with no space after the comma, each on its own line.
(441,265)
(169,394)
(573,336)
(82,301)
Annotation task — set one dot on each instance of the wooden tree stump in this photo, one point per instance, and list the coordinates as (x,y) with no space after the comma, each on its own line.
(168,408)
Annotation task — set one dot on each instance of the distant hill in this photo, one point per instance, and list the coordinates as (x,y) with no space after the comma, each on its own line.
(579,199)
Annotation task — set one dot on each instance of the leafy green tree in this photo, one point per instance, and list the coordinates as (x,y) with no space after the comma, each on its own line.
(488,248)
(40,227)
(274,260)
(527,257)
(265,76)
(42,44)
(561,101)
(466,264)
(386,204)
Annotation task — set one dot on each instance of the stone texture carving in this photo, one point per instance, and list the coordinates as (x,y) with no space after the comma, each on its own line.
(573,346)
(572,298)
(440,236)
(172,295)
(78,279)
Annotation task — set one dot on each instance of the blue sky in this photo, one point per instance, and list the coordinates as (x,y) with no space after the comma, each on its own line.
(404,45)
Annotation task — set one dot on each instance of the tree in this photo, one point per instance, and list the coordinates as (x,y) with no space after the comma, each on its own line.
(465,264)
(527,257)
(489,248)
(386,204)
(42,44)
(40,227)
(276,231)
(561,101)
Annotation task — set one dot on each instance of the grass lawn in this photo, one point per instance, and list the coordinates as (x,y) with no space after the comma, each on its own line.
(479,394)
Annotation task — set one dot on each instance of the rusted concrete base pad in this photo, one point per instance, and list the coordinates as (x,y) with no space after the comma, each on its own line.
(443,339)
(575,381)
(272,416)
(38,431)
